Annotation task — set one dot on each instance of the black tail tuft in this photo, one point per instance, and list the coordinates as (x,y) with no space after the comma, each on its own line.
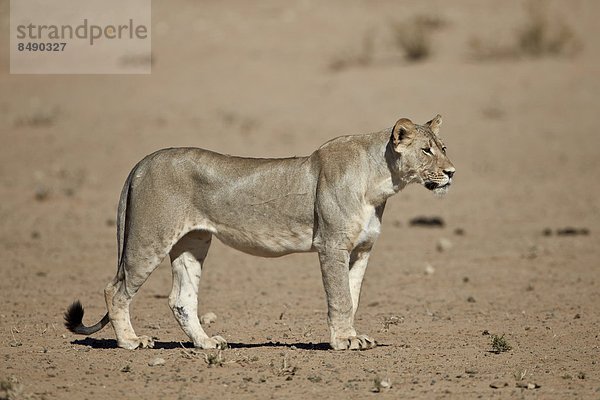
(74,316)
(74,320)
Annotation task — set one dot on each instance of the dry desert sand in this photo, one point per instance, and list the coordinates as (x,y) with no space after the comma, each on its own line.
(279,79)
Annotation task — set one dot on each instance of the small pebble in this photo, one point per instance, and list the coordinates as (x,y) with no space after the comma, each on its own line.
(380,385)
(443,244)
(527,385)
(157,361)
(429,270)
(208,318)
(386,383)
(41,193)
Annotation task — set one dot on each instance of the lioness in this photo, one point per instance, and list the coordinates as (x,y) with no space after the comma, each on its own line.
(330,202)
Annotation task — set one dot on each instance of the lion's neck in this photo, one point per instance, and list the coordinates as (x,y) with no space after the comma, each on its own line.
(387,175)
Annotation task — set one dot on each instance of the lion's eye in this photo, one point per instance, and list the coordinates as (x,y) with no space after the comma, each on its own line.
(444,149)
(427,150)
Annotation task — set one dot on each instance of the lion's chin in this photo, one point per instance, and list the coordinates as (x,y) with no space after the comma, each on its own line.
(442,190)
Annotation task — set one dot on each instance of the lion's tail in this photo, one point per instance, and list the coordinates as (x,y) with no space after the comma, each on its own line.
(74,314)
(122,221)
(74,320)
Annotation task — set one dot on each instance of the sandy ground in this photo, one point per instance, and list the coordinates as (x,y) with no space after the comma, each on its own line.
(276,80)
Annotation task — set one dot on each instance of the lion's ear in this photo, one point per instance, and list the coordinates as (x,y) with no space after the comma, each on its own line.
(435,124)
(403,133)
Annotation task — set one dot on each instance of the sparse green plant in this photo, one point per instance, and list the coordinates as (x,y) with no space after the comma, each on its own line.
(214,359)
(500,344)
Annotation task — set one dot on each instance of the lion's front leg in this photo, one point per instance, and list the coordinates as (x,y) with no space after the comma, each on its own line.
(358,265)
(340,308)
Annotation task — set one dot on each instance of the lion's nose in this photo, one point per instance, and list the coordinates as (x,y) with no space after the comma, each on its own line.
(449,172)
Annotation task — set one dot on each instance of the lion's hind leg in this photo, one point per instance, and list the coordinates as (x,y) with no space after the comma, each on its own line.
(118,295)
(187,257)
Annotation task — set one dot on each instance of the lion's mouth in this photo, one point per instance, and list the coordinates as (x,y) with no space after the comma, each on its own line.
(436,186)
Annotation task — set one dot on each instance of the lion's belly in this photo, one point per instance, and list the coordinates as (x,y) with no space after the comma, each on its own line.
(267,243)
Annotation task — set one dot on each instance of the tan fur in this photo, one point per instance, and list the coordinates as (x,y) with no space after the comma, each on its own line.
(330,202)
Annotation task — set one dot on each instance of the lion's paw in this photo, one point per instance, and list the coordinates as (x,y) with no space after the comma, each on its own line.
(215,342)
(146,342)
(140,342)
(358,342)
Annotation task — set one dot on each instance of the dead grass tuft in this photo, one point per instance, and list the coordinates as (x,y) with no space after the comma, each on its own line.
(214,359)
(286,369)
(380,384)
(540,35)
(414,37)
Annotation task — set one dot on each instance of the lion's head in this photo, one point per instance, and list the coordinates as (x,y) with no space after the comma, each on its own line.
(423,154)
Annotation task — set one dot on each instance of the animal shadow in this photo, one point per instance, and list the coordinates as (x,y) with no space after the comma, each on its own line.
(112,344)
